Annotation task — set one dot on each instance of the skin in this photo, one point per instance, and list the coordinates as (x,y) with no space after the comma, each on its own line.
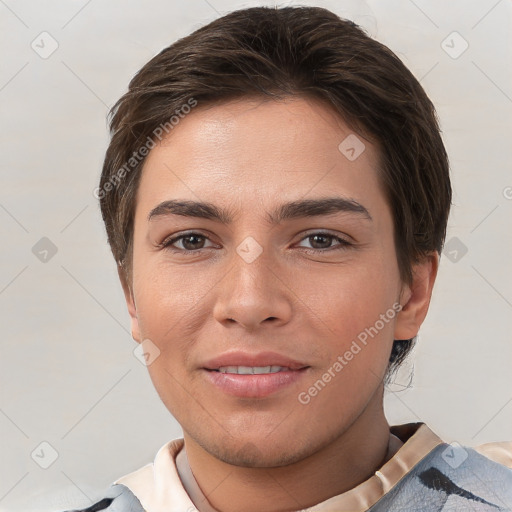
(249,156)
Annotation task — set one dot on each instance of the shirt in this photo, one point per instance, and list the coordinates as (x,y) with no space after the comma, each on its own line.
(425,474)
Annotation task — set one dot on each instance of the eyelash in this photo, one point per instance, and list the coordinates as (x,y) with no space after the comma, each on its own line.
(167,244)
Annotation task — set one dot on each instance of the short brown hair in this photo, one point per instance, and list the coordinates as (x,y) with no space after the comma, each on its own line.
(290,51)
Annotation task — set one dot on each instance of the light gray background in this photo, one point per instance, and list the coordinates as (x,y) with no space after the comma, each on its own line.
(68,374)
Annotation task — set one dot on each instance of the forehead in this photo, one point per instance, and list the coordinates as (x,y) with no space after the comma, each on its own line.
(252,151)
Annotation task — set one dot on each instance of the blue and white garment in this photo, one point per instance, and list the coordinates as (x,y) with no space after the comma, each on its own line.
(425,475)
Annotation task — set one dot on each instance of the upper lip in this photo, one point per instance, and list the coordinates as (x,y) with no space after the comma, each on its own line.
(247,359)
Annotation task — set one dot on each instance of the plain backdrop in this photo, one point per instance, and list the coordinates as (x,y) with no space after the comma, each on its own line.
(69,378)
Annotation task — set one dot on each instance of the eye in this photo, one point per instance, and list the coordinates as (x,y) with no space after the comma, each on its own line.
(325,240)
(191,242)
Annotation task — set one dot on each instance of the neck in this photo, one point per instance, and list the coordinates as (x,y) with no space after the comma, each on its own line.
(341,465)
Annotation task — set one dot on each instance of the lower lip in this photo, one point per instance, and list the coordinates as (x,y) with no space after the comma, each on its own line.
(254,386)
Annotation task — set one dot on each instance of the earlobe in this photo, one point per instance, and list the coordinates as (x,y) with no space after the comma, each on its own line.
(415,298)
(130,304)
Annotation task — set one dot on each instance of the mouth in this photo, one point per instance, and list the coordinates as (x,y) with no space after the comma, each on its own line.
(252,370)
(253,376)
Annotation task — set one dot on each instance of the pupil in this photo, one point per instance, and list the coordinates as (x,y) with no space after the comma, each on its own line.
(324,237)
(191,237)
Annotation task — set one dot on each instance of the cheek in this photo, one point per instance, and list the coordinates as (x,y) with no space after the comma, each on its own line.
(349,299)
(355,361)
(361,339)
(357,311)
(166,300)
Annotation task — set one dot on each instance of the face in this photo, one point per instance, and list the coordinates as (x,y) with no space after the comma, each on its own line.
(273,323)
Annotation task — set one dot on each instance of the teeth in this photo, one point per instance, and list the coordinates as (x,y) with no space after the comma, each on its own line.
(228,369)
(252,370)
(261,369)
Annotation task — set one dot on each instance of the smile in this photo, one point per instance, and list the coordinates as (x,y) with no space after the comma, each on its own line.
(252,370)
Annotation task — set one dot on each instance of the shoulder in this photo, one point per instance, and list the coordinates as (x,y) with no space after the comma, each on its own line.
(118,498)
(128,493)
(454,477)
(497,452)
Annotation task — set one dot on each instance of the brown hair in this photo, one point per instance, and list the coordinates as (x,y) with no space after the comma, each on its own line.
(278,52)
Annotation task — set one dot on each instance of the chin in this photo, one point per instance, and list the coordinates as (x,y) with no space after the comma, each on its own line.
(259,453)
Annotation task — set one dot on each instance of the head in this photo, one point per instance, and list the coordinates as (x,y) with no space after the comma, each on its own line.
(324,189)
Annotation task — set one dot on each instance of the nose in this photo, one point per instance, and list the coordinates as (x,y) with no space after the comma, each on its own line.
(253,294)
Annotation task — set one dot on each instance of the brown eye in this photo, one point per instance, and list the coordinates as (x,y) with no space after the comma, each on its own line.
(323,242)
(190,242)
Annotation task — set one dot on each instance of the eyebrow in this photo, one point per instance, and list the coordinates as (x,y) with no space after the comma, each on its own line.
(287,211)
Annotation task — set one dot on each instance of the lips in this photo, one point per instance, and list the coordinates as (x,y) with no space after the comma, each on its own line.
(253,375)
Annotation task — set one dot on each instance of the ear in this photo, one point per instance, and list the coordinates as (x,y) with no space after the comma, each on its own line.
(130,303)
(415,298)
